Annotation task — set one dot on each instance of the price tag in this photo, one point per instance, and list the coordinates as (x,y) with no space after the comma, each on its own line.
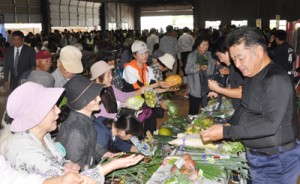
(179,163)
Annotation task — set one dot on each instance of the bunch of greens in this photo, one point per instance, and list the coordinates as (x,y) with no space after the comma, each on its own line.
(232,147)
(139,173)
(203,122)
(215,109)
(232,164)
(176,124)
(172,108)
(209,171)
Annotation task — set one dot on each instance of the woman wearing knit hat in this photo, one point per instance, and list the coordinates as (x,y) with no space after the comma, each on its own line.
(78,134)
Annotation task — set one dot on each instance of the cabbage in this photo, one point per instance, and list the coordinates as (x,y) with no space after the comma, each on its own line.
(134,102)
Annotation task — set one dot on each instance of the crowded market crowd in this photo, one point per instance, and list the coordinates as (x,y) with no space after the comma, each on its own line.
(66,109)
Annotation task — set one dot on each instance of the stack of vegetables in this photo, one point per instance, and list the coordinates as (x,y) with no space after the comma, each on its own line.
(212,159)
(175,124)
(191,169)
(218,109)
(141,172)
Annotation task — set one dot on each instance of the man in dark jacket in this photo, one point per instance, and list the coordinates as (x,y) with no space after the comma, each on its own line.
(283,53)
(17,60)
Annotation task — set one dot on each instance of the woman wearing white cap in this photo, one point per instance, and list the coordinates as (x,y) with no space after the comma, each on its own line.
(137,74)
(162,62)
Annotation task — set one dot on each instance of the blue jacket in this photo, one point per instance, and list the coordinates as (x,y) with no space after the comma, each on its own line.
(105,138)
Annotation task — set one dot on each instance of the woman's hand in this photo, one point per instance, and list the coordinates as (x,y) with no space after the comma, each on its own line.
(142,90)
(129,161)
(163,84)
(160,90)
(121,163)
(71,167)
(203,67)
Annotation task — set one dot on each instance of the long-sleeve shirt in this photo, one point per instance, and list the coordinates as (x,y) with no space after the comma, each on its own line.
(267,115)
(10,176)
(169,44)
(78,135)
(105,137)
(283,55)
(151,41)
(26,153)
(235,81)
(192,71)
(121,97)
(185,42)
(136,76)
(60,80)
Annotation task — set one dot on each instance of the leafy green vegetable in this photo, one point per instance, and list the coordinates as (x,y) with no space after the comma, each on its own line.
(210,171)
(134,102)
(176,124)
(172,108)
(204,122)
(139,173)
(232,148)
(178,178)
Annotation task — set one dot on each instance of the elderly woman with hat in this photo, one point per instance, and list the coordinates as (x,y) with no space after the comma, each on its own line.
(112,98)
(161,62)
(31,148)
(102,74)
(78,134)
(36,76)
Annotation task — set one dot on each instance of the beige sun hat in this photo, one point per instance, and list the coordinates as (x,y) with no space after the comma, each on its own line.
(70,58)
(99,68)
(168,60)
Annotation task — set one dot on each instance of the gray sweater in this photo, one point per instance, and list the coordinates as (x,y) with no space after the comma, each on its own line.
(192,71)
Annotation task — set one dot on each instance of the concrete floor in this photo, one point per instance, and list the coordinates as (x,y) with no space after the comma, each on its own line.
(177,98)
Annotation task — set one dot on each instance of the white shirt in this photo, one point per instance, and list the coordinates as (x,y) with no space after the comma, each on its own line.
(26,153)
(15,51)
(131,75)
(185,42)
(11,176)
(151,41)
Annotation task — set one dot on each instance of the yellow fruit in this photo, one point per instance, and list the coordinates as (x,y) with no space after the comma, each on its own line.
(165,132)
(174,80)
